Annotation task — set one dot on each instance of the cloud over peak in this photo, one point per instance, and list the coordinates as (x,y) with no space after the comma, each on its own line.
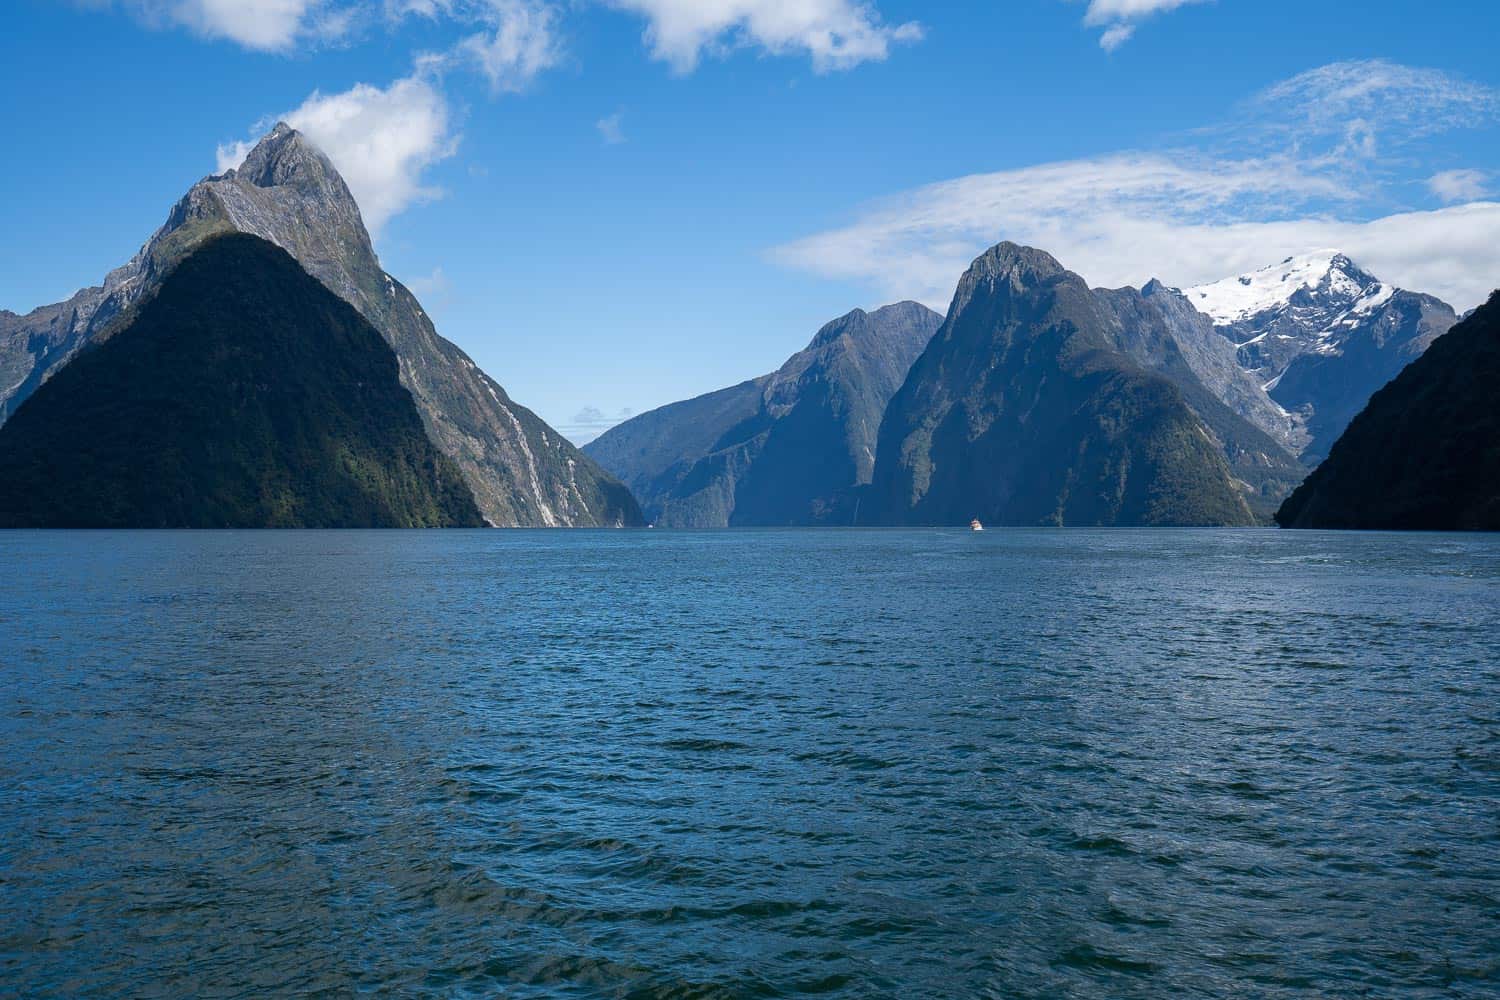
(1274,182)
(381,140)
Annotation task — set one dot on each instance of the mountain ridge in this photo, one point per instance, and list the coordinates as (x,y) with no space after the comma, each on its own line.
(281,408)
(286,191)
(1021,411)
(1320,335)
(781,448)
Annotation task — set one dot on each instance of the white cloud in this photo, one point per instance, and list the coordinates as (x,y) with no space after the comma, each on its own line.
(380,140)
(1459,185)
(265,25)
(1112,11)
(520,42)
(1192,215)
(1372,97)
(837,34)
(1119,18)
(611,130)
(1116,35)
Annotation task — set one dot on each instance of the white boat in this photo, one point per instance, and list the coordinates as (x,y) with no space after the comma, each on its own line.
(974,525)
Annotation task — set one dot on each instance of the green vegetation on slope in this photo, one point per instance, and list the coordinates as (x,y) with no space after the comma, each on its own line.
(244,394)
(1022,412)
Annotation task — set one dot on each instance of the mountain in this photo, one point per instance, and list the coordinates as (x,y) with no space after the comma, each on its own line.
(782,449)
(240,393)
(1161,331)
(1022,411)
(1425,453)
(521,472)
(1320,334)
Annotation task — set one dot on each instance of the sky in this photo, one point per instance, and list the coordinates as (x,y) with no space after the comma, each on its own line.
(615,204)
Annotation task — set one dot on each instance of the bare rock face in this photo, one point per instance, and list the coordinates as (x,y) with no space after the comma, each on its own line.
(522,472)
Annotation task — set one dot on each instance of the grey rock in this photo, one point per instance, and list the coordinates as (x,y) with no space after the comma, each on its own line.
(788,448)
(522,472)
(1159,329)
(1022,410)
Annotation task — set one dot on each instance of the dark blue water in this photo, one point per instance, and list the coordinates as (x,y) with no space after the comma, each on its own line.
(652,764)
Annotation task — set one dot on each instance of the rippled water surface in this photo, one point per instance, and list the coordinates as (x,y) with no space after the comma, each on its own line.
(653,764)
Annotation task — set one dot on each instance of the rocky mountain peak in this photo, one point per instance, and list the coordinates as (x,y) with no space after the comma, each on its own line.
(285,156)
(834,329)
(1022,266)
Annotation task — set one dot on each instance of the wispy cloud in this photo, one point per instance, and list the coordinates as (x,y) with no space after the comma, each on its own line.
(263,25)
(519,42)
(589,422)
(430,287)
(837,34)
(1195,213)
(611,128)
(1459,185)
(382,140)
(1119,18)
(1369,101)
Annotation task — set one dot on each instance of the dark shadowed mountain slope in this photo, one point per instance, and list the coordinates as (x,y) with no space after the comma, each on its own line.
(521,471)
(1161,331)
(782,449)
(1425,453)
(242,393)
(1021,411)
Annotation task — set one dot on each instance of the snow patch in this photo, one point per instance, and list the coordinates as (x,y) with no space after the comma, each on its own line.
(1233,299)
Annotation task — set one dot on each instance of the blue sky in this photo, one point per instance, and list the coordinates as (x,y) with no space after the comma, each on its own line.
(612,204)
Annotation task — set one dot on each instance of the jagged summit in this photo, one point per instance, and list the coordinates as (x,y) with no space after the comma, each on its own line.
(1319,334)
(859,323)
(288,192)
(1022,409)
(1321,277)
(285,156)
(1022,265)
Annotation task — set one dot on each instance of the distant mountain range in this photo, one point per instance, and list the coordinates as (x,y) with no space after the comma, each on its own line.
(1044,402)
(1036,400)
(782,449)
(521,472)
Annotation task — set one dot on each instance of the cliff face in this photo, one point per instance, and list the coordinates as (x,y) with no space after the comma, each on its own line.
(1425,453)
(1022,411)
(520,471)
(241,393)
(1161,331)
(784,449)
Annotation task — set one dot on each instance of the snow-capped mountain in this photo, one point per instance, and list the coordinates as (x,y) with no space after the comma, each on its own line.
(1321,335)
